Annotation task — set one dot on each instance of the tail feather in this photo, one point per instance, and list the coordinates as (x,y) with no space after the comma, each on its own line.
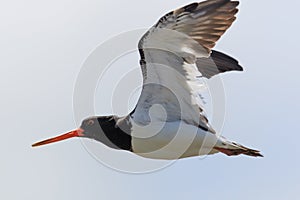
(234,149)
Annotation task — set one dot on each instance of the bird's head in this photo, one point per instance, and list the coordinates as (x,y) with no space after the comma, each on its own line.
(103,129)
(89,128)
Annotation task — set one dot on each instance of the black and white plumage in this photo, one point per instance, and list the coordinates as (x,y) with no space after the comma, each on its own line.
(168,121)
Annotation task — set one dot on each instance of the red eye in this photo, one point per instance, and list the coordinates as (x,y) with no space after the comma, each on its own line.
(90,122)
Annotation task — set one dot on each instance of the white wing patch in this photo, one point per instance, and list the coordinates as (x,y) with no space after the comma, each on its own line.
(173,41)
(171,80)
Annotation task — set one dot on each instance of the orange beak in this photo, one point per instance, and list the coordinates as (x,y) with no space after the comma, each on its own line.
(75,133)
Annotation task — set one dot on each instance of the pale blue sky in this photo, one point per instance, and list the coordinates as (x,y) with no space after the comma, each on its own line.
(43,46)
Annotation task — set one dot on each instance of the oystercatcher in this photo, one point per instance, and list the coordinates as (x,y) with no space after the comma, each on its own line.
(169,121)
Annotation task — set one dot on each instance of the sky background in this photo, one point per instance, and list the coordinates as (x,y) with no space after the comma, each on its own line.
(43,47)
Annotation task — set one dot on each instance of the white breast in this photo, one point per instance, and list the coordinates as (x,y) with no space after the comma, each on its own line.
(171,140)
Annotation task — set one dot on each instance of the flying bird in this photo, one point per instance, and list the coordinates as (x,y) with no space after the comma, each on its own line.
(169,121)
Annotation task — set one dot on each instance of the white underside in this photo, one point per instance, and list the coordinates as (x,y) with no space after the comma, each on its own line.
(172,140)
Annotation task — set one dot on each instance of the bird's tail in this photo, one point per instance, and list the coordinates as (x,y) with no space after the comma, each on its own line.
(234,149)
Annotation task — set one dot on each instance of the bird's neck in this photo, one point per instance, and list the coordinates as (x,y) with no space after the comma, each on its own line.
(115,132)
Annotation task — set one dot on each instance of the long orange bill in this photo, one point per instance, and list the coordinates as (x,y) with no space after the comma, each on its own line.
(75,133)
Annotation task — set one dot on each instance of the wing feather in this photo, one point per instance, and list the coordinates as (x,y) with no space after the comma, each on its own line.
(175,52)
(198,19)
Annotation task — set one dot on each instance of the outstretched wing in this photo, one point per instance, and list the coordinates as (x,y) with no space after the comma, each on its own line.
(172,55)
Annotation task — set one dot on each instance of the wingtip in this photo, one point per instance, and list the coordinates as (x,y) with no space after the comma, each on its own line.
(239,68)
(258,154)
(254,153)
(236,3)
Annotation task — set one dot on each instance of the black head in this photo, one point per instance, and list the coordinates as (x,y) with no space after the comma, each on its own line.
(91,127)
(103,129)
